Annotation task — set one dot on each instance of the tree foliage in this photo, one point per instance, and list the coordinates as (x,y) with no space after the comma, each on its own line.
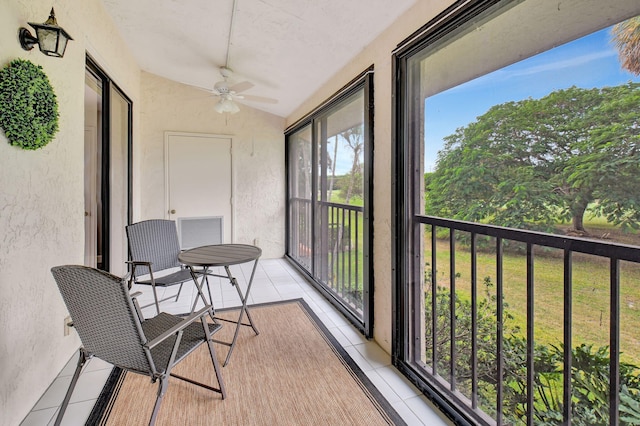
(531,163)
(354,138)
(350,183)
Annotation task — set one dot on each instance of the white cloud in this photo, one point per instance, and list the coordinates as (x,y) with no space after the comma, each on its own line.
(578,61)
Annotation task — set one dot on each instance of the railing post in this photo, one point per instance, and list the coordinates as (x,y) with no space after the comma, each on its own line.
(357,252)
(434,302)
(530,335)
(499,329)
(474,323)
(452,308)
(568,301)
(614,352)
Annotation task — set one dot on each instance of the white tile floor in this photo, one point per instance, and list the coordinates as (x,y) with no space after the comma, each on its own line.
(275,280)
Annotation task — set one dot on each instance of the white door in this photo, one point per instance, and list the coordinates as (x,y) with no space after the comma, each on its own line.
(199,187)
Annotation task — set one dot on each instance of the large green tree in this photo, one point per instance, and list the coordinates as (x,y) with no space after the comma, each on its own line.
(530,163)
(352,181)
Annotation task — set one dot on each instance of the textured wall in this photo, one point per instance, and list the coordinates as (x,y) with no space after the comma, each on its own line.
(41,192)
(41,201)
(257,156)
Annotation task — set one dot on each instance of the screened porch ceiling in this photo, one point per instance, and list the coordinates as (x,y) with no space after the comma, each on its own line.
(286,48)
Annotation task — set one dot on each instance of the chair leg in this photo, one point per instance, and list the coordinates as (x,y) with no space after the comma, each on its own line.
(162,389)
(82,359)
(216,367)
(206,279)
(214,358)
(179,290)
(164,379)
(155,297)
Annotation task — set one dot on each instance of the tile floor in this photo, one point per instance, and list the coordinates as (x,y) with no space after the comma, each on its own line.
(275,280)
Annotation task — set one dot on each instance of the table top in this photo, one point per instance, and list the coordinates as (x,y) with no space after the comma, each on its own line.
(220,255)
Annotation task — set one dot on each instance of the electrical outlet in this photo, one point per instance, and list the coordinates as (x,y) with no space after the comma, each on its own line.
(67,326)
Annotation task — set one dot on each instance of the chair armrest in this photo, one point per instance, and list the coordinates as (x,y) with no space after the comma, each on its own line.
(178,327)
(138,262)
(132,274)
(136,305)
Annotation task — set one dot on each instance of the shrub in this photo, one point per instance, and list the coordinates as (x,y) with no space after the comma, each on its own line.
(589,370)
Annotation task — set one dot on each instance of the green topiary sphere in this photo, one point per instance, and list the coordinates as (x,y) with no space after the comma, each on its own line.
(28,105)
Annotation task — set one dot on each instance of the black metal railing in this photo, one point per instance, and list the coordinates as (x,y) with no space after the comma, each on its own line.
(441,363)
(335,247)
(301,232)
(340,249)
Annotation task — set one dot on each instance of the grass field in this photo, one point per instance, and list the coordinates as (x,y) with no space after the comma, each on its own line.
(590,319)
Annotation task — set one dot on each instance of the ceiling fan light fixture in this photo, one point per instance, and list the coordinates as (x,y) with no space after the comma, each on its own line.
(226,105)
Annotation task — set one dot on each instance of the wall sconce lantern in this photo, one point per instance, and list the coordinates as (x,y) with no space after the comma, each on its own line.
(51,39)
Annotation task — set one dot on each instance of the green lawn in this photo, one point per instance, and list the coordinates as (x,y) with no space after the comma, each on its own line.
(590,295)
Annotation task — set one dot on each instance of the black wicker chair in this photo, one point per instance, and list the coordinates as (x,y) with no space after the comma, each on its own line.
(110,325)
(154,247)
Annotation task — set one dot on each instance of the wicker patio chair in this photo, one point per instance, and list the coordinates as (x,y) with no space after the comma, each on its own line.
(154,248)
(109,323)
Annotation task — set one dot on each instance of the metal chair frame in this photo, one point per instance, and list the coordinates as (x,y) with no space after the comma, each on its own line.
(153,248)
(111,327)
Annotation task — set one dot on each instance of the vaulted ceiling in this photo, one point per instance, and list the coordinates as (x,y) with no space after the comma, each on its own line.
(286,48)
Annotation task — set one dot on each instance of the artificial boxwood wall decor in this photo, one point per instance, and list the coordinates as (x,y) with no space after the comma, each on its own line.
(28,105)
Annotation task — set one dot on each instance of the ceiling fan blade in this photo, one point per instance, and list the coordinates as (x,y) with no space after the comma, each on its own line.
(204,89)
(241,87)
(259,99)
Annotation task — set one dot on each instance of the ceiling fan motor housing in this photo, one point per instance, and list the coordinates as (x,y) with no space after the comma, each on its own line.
(221,87)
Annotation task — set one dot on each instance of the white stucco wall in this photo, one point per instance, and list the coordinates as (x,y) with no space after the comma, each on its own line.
(257,157)
(41,200)
(42,192)
(379,53)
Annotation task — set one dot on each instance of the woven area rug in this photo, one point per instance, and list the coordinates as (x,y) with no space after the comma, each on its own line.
(293,373)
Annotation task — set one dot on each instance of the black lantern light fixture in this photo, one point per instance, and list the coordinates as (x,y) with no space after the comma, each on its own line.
(51,39)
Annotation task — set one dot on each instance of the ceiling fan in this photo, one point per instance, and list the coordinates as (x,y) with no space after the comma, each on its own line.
(229,92)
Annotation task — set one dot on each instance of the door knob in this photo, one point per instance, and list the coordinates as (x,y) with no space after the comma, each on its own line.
(172,211)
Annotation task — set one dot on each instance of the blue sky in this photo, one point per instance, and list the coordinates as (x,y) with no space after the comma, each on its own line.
(589,62)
